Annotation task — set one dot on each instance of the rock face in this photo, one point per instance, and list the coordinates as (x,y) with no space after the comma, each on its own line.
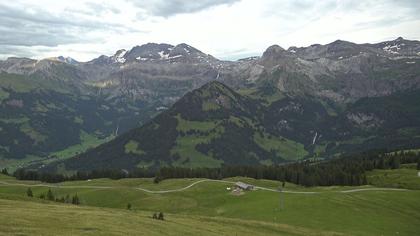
(341,71)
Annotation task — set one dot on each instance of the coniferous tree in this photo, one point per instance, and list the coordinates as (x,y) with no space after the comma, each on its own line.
(418,164)
(161,217)
(4,171)
(395,162)
(50,195)
(129,206)
(75,200)
(67,199)
(154,216)
(157,179)
(29,192)
(364,182)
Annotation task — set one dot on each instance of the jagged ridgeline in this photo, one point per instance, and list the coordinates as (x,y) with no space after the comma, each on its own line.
(214,126)
(319,101)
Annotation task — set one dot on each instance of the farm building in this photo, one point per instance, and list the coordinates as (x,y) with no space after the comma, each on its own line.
(244,186)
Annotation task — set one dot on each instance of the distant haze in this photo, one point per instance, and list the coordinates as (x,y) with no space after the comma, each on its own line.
(227,29)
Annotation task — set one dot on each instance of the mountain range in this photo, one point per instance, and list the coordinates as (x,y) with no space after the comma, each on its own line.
(175,105)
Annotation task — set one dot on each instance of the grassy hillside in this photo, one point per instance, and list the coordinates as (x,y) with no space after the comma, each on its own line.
(326,210)
(49,119)
(405,177)
(207,127)
(41,218)
(215,125)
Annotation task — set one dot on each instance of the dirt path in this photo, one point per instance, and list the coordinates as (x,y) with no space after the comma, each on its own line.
(185,188)
(373,189)
(191,185)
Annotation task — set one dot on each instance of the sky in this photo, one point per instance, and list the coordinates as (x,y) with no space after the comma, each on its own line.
(226,29)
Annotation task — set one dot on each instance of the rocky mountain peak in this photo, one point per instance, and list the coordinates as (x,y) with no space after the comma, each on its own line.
(67,60)
(275,55)
(119,56)
(273,49)
(149,51)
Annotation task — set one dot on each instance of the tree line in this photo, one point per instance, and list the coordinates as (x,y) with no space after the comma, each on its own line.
(27,174)
(51,197)
(349,170)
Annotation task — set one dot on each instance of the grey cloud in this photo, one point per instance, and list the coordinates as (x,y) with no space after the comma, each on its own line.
(41,28)
(97,8)
(169,8)
(18,51)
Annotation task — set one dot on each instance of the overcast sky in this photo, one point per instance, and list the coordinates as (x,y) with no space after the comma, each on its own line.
(227,29)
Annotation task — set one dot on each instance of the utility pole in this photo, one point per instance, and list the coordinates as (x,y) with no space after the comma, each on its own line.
(281,198)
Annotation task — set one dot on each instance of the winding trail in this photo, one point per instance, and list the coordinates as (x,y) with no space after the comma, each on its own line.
(192,185)
(184,188)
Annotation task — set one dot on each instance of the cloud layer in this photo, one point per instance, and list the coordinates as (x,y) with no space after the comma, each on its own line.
(228,29)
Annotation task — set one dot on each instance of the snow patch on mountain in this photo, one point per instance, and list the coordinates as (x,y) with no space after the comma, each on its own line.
(119,56)
(393,49)
(176,56)
(163,56)
(142,58)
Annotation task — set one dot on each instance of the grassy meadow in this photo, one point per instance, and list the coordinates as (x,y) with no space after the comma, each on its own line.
(209,208)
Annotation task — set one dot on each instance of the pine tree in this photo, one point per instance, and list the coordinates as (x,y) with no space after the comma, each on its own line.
(67,200)
(129,206)
(160,217)
(50,195)
(395,162)
(75,200)
(157,179)
(4,171)
(364,182)
(154,216)
(29,192)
